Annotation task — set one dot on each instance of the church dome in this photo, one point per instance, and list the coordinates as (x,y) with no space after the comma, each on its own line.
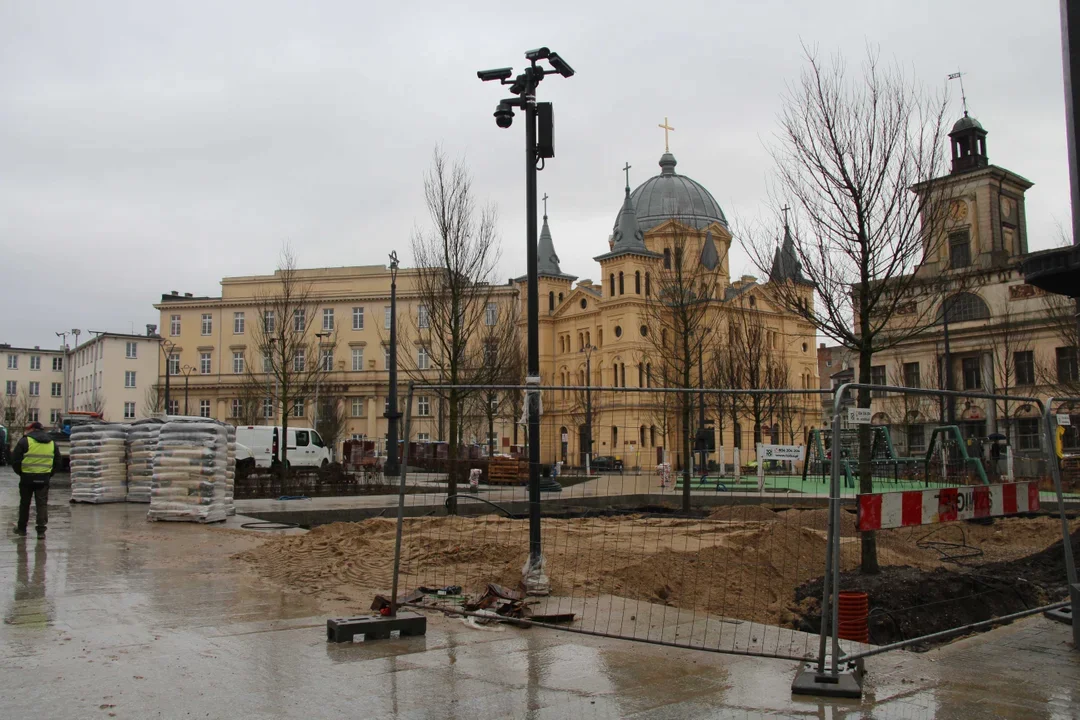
(670,196)
(966,123)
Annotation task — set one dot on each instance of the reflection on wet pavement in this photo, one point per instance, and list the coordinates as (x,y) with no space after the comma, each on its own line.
(112,616)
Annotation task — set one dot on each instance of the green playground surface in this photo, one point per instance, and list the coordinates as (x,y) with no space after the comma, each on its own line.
(794,484)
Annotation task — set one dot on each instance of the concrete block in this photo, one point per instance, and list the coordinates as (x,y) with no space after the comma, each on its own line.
(372,627)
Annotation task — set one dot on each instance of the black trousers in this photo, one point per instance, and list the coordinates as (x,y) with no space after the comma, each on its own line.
(29,490)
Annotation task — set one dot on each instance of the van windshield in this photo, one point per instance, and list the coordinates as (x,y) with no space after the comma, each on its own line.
(316,440)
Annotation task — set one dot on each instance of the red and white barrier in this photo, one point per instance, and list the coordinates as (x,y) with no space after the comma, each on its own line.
(881,511)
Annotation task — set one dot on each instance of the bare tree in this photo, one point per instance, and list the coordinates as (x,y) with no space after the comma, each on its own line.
(288,351)
(333,415)
(455,261)
(908,410)
(153,400)
(681,312)
(849,153)
(250,398)
(1011,343)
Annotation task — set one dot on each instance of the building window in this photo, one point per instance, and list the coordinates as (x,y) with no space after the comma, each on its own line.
(877,377)
(648,285)
(1024,363)
(423,358)
(358,318)
(327,360)
(268,362)
(204,363)
(386,318)
(268,408)
(9,415)
(54,417)
(1066,364)
(13,362)
(423,318)
(358,407)
(238,363)
(298,408)
(58,364)
(386,356)
(35,389)
(423,406)
(423,437)
(174,407)
(491,314)
(963,307)
(32,415)
(637,284)
(269,322)
(622,285)
(1027,430)
(238,323)
(959,249)
(174,325)
(385,406)
(234,408)
(299,317)
(916,438)
(35,362)
(328,319)
(667,258)
(972,371)
(131,351)
(129,411)
(204,408)
(299,360)
(207,323)
(614,437)
(611,284)
(56,390)
(551,301)
(911,375)
(129,378)
(358,359)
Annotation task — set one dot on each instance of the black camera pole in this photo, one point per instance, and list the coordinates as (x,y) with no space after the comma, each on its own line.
(524,87)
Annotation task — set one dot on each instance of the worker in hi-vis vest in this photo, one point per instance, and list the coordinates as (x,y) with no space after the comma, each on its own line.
(35,458)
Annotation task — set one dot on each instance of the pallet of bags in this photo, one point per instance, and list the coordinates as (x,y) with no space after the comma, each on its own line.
(142,442)
(99,463)
(230,471)
(190,466)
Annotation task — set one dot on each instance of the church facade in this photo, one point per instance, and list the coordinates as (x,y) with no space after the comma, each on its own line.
(611,334)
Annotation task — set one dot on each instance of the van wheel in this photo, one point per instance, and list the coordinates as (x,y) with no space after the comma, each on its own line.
(325,464)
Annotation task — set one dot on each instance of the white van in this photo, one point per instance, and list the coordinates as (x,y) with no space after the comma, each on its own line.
(306,448)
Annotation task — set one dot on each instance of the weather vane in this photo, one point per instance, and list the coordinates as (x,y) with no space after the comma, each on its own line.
(963,98)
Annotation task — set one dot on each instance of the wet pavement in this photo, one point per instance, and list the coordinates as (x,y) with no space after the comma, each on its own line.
(112,616)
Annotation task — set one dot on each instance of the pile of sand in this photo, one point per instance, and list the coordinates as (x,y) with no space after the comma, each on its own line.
(746,564)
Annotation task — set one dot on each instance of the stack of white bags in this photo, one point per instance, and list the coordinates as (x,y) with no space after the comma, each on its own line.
(99,463)
(191,466)
(230,471)
(142,443)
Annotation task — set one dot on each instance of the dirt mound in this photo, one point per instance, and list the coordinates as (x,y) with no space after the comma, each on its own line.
(818,519)
(743,512)
(907,602)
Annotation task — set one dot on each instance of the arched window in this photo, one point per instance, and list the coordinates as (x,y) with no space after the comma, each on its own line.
(622,371)
(641,436)
(663,338)
(637,282)
(615,376)
(581,341)
(614,437)
(622,287)
(652,436)
(648,286)
(667,258)
(736,436)
(641,376)
(612,284)
(648,374)
(560,298)
(551,300)
(963,307)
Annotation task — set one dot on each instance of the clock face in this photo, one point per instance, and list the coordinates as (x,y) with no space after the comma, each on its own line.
(958,210)
(1008,207)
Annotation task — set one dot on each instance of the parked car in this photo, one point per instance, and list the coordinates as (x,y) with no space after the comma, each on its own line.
(602,463)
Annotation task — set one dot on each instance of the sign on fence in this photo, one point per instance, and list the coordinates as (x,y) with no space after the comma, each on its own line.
(1063,419)
(859,416)
(781,452)
(881,511)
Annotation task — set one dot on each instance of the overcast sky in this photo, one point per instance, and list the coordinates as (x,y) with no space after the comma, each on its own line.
(148,146)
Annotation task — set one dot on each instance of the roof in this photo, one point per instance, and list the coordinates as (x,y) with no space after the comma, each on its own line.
(627,237)
(4,347)
(547,261)
(670,196)
(785,264)
(966,123)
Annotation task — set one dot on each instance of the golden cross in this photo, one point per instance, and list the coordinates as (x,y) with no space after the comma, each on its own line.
(666,128)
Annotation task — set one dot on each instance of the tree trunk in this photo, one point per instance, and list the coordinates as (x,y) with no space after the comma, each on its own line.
(452,461)
(686,447)
(866,468)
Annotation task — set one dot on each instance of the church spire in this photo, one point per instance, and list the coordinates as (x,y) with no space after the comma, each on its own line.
(547,261)
(710,258)
(786,265)
(628,235)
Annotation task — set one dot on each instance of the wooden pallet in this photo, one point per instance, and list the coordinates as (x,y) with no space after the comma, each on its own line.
(507,471)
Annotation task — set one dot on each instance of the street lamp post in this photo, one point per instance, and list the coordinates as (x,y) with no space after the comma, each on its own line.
(391,467)
(587,349)
(167,347)
(64,348)
(76,332)
(322,369)
(187,370)
(272,397)
(523,87)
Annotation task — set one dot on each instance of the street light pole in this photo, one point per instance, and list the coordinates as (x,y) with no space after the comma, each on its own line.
(588,407)
(187,370)
(391,467)
(76,332)
(524,88)
(322,369)
(63,367)
(167,347)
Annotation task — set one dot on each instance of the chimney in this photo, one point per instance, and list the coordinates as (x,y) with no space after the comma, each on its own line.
(37,347)
(187,294)
(151,330)
(174,292)
(821,346)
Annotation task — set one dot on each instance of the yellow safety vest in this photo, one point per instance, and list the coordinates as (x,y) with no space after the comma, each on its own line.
(38,459)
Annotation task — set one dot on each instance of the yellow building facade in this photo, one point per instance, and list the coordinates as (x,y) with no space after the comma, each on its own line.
(607,326)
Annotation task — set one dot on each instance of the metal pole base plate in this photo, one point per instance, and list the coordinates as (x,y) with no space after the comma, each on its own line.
(847,683)
(1061,615)
(342,630)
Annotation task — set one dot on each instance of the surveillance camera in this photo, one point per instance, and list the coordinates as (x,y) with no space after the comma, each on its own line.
(504,115)
(537,54)
(560,65)
(496,74)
